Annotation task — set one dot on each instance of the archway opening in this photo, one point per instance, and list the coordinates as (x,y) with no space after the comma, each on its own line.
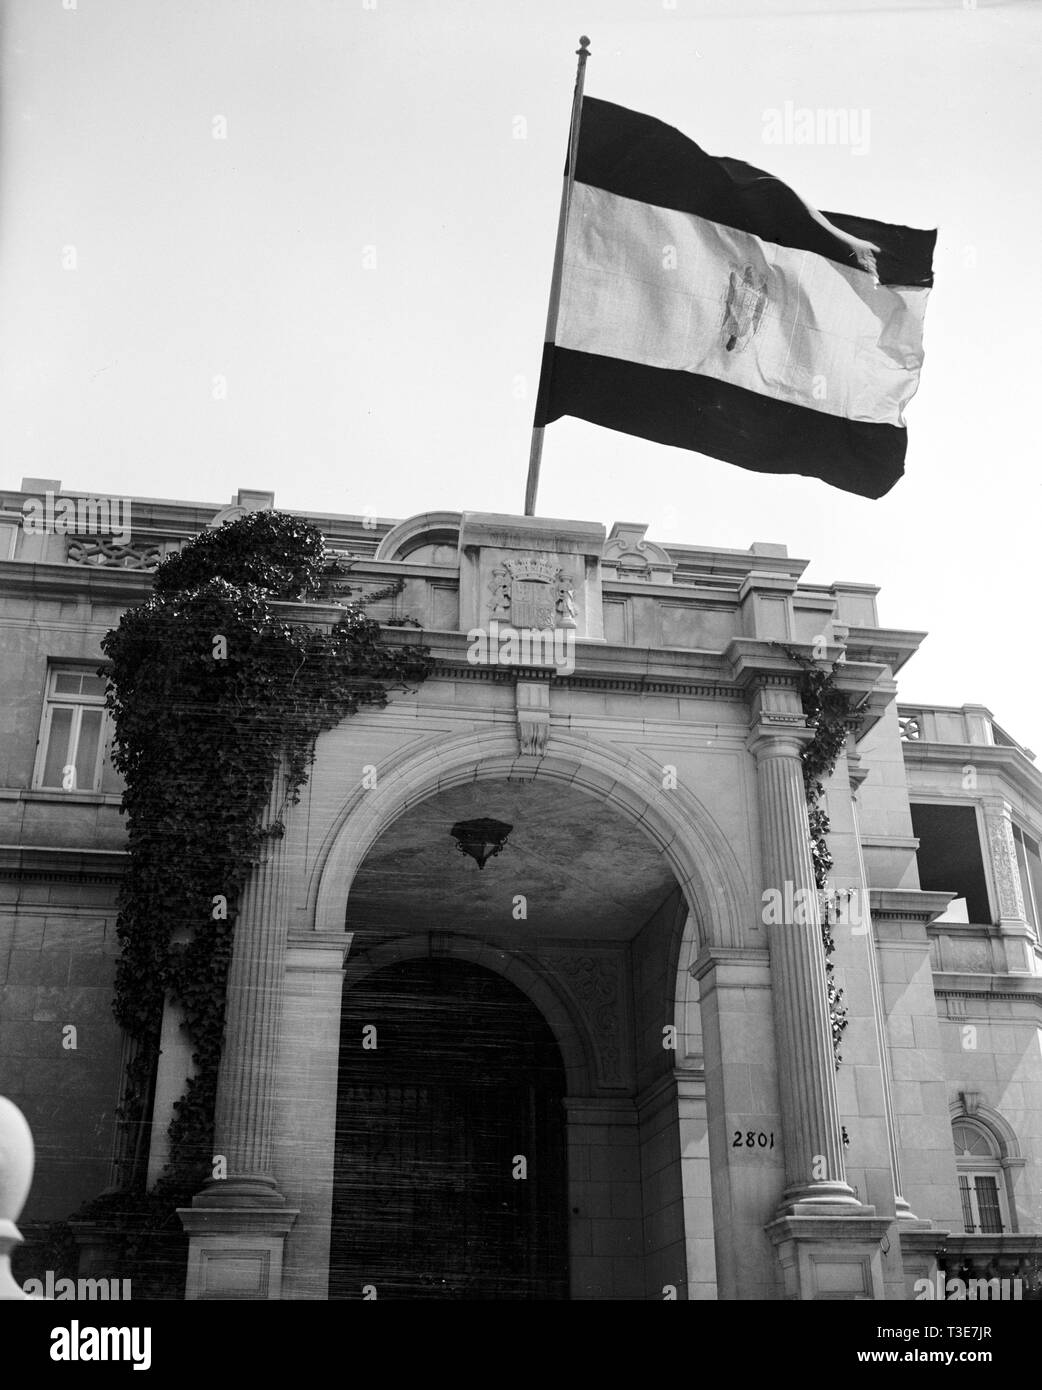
(582,913)
(450,1175)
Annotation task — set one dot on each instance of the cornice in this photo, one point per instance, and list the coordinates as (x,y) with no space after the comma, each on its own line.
(693,560)
(84,582)
(887,646)
(907,904)
(1008,762)
(974,985)
(754,663)
(598,666)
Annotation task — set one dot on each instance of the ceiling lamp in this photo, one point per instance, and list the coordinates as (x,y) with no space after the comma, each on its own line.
(481,839)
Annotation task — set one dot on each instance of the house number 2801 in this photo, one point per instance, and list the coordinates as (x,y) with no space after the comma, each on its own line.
(753,1139)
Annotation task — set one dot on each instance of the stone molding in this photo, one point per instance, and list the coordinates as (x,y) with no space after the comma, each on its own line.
(533,716)
(701,857)
(628,556)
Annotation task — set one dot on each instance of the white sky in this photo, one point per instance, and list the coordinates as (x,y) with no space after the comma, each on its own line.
(394,124)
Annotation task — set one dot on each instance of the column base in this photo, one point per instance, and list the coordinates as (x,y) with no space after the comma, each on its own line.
(235,1252)
(903,1212)
(830,1257)
(239,1191)
(821,1199)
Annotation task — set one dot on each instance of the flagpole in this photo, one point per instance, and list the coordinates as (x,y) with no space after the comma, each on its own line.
(536,453)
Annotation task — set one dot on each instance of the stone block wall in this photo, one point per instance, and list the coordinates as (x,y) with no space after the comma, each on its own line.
(60,1047)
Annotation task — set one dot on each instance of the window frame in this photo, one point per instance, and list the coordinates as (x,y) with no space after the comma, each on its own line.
(1032,906)
(927,797)
(970,1194)
(970,1167)
(53,700)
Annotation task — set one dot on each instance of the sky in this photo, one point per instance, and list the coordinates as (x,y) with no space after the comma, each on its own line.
(305,246)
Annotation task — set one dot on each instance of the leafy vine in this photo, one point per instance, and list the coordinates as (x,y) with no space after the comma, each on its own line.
(828,712)
(214,683)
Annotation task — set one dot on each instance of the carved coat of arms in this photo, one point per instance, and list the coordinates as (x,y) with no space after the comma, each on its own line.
(532,592)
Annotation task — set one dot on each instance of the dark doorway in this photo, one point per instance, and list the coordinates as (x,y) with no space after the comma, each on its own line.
(464,1083)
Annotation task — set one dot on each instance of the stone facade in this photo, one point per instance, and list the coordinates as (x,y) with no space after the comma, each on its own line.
(632,711)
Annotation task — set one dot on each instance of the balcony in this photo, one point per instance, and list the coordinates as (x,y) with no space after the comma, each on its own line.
(990,1257)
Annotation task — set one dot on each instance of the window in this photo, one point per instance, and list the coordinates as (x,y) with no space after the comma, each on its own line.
(981,1179)
(1030,865)
(949,856)
(75,733)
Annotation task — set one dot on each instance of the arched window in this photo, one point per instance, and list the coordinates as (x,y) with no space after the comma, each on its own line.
(982,1184)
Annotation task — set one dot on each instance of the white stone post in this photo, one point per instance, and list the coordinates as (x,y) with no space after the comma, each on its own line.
(16,1175)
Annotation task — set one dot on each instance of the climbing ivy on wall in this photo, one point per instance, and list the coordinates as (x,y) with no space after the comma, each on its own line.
(212,687)
(829,713)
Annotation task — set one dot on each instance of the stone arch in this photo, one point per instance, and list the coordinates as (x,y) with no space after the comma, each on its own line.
(429,527)
(701,858)
(573,1040)
(687,1018)
(999,1128)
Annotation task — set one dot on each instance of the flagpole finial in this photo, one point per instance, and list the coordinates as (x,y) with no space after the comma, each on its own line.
(584,44)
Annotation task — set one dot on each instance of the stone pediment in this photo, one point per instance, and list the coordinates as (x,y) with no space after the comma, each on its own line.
(246,500)
(627,555)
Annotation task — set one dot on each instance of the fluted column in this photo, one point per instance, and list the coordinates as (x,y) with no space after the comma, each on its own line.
(814,1168)
(237,1224)
(244,1119)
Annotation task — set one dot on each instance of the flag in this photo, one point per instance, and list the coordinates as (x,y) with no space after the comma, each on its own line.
(704,305)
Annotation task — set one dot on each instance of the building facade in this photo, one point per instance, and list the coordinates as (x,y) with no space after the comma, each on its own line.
(598,1063)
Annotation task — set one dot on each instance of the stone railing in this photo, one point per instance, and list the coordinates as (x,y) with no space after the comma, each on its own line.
(945,724)
(911,726)
(999,1257)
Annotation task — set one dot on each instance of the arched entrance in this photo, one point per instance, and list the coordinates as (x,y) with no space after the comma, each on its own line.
(449,1177)
(583,916)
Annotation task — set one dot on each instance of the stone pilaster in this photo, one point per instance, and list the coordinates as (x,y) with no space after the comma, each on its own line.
(998,819)
(902,1210)
(741,1093)
(237,1224)
(1005,875)
(814,1169)
(309,1068)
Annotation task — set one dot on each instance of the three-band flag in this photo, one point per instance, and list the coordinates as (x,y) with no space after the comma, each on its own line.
(703,304)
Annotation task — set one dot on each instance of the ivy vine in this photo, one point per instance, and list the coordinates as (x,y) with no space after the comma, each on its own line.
(212,688)
(828,711)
